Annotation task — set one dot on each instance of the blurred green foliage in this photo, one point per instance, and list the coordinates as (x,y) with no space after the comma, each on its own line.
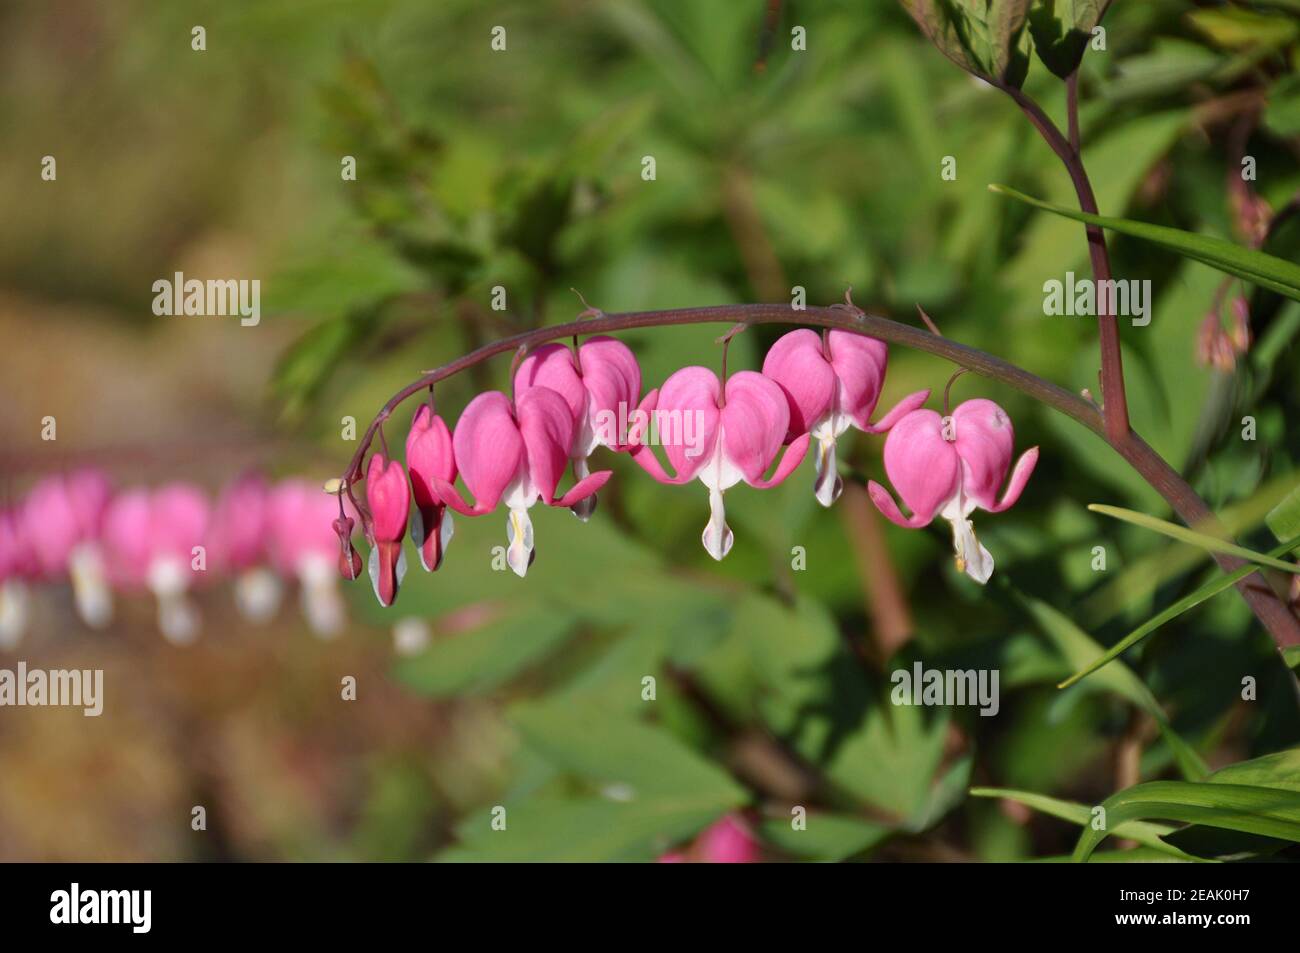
(522,169)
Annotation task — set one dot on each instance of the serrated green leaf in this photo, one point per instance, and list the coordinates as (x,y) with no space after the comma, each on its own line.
(622,756)
(1061,30)
(983,37)
(484,658)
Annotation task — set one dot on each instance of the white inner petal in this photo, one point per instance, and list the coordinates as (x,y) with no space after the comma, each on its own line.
(168,575)
(319,598)
(177,617)
(257,594)
(717,536)
(90,586)
(519,529)
(827,486)
(13,612)
(971,556)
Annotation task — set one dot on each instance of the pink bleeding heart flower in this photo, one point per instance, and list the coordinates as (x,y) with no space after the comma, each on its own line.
(830,383)
(240,538)
(388,494)
(721,436)
(728,841)
(156,540)
(601,384)
(516,452)
(949,466)
(302,545)
(63,515)
(18,564)
(430,457)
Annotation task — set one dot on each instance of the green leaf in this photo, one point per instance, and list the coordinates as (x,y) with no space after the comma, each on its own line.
(984,37)
(1185,535)
(559,829)
(1235,28)
(1284,519)
(1140,831)
(1282,114)
(1061,30)
(1291,656)
(1189,601)
(1278,770)
(827,837)
(1270,812)
(623,757)
(481,659)
(1257,267)
(1078,648)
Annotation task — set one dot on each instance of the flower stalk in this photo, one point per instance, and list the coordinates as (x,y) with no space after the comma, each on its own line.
(1273,613)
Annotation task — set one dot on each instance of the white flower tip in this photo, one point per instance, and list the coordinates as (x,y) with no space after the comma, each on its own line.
(971,556)
(828,486)
(257,595)
(717,535)
(178,619)
(519,529)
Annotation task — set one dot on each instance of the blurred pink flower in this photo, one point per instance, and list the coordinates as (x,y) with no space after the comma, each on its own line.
(948,466)
(150,540)
(63,517)
(830,383)
(17,565)
(240,538)
(303,546)
(737,437)
(728,841)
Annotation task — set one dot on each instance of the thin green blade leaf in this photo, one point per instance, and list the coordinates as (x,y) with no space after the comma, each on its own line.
(1257,267)
(1189,601)
(1185,535)
(1081,814)
(1271,812)
(1076,646)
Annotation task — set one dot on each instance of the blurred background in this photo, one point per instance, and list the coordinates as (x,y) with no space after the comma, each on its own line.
(522,168)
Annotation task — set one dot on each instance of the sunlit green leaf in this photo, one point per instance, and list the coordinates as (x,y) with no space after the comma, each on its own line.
(1189,601)
(1185,535)
(1271,812)
(1081,814)
(1257,267)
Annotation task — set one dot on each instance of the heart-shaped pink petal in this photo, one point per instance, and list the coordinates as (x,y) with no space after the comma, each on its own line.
(613,381)
(547,428)
(860,363)
(488,450)
(754,423)
(923,467)
(552,365)
(796,363)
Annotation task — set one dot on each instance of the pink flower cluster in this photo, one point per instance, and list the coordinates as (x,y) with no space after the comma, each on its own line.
(513,450)
(168,541)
